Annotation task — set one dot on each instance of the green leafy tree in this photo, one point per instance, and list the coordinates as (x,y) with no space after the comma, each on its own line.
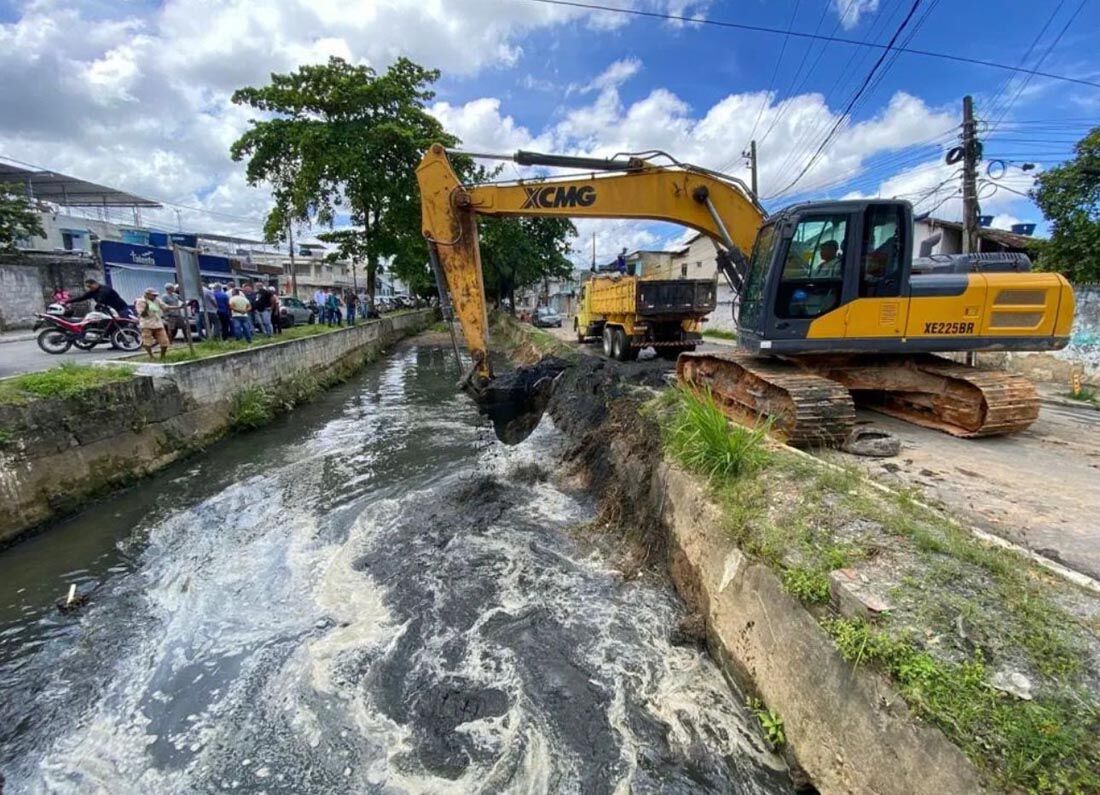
(17,217)
(1069,196)
(517,253)
(342,141)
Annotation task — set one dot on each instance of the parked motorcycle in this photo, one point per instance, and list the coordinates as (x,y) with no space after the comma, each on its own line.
(60,331)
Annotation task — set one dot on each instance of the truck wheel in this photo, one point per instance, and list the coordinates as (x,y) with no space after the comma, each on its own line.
(621,347)
(608,336)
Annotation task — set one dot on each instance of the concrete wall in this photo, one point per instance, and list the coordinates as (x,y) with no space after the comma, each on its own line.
(28,281)
(56,454)
(1082,354)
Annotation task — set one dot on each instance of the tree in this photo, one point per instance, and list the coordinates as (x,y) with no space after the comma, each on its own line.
(522,252)
(1069,196)
(18,219)
(344,141)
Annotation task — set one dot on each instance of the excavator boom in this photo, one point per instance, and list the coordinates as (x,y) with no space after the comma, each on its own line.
(711,203)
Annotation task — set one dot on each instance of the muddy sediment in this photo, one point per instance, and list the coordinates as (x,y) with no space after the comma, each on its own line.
(847,730)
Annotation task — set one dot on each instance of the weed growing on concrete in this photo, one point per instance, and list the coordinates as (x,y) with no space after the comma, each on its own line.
(770,722)
(1046,746)
(702,438)
(809,586)
(64,381)
(252,407)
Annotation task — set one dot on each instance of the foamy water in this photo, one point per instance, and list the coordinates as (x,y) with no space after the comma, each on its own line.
(379,608)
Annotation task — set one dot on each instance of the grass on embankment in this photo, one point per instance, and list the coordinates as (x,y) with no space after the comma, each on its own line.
(958,611)
(719,334)
(67,380)
(204,350)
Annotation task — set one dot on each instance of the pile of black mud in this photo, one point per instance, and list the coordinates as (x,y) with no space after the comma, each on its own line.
(515,401)
(614,446)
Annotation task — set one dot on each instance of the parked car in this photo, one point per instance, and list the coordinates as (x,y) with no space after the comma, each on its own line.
(545,317)
(293,311)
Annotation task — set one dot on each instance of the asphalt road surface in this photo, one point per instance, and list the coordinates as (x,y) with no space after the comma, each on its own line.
(25,356)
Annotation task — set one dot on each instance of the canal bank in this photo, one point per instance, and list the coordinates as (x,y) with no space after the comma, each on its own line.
(56,453)
(368,595)
(895,651)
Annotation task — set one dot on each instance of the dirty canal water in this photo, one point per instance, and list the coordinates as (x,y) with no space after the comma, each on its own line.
(370,595)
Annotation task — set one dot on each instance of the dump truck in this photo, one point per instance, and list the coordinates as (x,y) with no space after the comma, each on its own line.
(629,313)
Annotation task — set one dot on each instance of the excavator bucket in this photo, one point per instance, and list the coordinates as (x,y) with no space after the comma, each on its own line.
(516,401)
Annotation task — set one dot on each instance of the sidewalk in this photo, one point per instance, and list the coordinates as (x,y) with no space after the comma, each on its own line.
(18,335)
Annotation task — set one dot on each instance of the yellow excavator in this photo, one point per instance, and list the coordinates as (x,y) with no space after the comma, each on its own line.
(833,308)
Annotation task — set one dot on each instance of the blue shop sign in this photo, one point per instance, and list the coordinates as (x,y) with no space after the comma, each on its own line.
(115,253)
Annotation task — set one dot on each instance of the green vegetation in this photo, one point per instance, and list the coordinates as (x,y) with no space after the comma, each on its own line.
(959,610)
(64,381)
(770,723)
(252,407)
(702,438)
(809,586)
(1045,745)
(342,139)
(18,218)
(1087,394)
(1069,196)
(720,334)
(204,350)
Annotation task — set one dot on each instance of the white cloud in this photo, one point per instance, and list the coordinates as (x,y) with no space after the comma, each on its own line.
(614,75)
(850,11)
(143,103)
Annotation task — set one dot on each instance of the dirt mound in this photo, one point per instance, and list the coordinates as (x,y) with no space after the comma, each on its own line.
(614,447)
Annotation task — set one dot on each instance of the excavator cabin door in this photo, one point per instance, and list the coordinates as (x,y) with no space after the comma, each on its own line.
(814,264)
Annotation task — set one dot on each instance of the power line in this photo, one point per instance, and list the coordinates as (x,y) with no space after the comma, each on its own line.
(852,101)
(816,36)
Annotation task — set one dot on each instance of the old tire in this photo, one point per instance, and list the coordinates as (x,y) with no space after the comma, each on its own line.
(53,341)
(608,338)
(627,352)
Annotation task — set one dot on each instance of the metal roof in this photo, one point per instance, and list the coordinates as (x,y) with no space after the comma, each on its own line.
(68,191)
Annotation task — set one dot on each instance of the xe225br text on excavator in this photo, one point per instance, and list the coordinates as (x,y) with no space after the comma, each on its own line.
(833,307)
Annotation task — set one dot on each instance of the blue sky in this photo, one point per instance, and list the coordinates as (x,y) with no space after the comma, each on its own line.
(136,94)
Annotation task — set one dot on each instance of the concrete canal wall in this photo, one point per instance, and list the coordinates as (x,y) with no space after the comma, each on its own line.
(55,454)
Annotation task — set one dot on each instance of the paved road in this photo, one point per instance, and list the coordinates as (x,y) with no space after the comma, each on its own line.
(1039,488)
(25,356)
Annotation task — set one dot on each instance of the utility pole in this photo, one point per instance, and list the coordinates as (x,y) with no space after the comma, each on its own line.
(751,155)
(970,243)
(293,268)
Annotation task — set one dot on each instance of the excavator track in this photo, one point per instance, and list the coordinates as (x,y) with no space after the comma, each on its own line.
(941,394)
(811,400)
(805,409)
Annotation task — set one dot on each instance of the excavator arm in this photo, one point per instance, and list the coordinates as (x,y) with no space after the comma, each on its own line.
(714,204)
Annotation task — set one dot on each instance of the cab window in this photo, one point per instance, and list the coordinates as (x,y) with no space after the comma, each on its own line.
(881,260)
(813,270)
(753,291)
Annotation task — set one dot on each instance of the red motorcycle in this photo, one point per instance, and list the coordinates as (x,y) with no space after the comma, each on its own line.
(61,332)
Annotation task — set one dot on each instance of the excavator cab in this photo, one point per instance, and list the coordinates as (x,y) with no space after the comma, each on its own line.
(810,262)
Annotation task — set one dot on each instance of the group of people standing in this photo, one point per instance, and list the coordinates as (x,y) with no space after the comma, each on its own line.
(238,311)
(334,306)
